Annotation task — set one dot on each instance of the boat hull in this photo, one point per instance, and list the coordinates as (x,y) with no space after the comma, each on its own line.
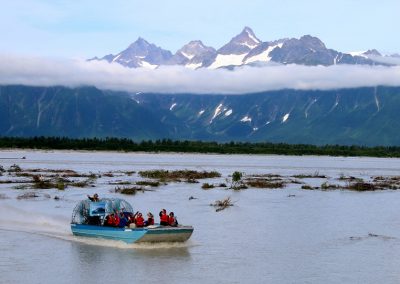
(153,234)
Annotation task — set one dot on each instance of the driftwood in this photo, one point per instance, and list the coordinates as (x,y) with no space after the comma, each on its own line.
(222,204)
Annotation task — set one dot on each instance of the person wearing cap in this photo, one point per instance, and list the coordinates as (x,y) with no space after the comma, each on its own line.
(94,198)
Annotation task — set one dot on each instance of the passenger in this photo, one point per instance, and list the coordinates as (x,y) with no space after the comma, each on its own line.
(115,220)
(139,221)
(94,198)
(128,216)
(164,218)
(123,221)
(132,220)
(172,220)
(109,221)
(150,220)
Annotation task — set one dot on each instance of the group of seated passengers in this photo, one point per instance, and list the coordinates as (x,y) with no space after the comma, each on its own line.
(127,219)
(168,220)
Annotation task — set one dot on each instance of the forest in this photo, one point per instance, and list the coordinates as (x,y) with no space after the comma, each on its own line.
(186,146)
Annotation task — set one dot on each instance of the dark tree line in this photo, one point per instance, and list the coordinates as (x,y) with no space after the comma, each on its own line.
(168,145)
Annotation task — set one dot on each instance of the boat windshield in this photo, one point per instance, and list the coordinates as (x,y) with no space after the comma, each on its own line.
(85,211)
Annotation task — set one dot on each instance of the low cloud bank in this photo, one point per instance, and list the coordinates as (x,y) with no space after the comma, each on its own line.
(36,71)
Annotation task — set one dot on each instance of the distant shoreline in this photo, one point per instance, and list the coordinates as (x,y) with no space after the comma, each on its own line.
(201,147)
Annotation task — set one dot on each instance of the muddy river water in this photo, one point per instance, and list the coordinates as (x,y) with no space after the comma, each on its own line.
(287,235)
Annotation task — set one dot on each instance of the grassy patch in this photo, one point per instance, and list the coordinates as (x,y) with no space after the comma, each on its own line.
(314,175)
(120,182)
(128,190)
(361,186)
(306,186)
(207,186)
(326,186)
(264,183)
(148,182)
(178,174)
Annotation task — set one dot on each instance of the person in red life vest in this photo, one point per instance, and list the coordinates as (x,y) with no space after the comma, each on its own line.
(116,220)
(139,221)
(109,221)
(164,218)
(172,220)
(150,219)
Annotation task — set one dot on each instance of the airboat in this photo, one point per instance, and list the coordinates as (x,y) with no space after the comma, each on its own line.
(88,220)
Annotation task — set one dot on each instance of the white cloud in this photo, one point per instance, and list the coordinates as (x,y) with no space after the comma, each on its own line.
(386,59)
(37,71)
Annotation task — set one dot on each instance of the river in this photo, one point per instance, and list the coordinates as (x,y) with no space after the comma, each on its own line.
(287,235)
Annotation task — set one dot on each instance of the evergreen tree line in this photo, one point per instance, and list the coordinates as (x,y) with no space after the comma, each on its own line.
(168,145)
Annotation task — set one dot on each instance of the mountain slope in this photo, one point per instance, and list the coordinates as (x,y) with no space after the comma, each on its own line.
(363,116)
(81,112)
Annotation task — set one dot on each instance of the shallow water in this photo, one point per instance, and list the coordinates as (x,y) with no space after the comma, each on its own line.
(266,237)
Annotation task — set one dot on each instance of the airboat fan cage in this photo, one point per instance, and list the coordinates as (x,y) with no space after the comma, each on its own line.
(82,211)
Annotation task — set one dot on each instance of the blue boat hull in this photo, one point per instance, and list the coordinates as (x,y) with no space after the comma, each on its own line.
(135,235)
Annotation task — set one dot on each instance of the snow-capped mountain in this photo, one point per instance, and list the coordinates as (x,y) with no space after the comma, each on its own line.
(245,48)
(236,50)
(140,54)
(193,55)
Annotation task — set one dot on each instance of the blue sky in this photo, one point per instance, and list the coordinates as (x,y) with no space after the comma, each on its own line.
(89,28)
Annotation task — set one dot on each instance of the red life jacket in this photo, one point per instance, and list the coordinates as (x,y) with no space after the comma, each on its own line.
(139,221)
(150,221)
(171,221)
(110,220)
(116,221)
(164,218)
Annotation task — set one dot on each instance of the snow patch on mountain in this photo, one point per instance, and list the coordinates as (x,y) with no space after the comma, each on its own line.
(194,65)
(263,56)
(216,112)
(358,53)
(246,119)
(116,58)
(227,60)
(228,113)
(146,64)
(251,36)
(285,117)
(172,106)
(188,56)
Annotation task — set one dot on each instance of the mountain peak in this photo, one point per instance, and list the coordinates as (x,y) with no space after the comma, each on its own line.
(372,52)
(139,42)
(312,41)
(242,43)
(250,34)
